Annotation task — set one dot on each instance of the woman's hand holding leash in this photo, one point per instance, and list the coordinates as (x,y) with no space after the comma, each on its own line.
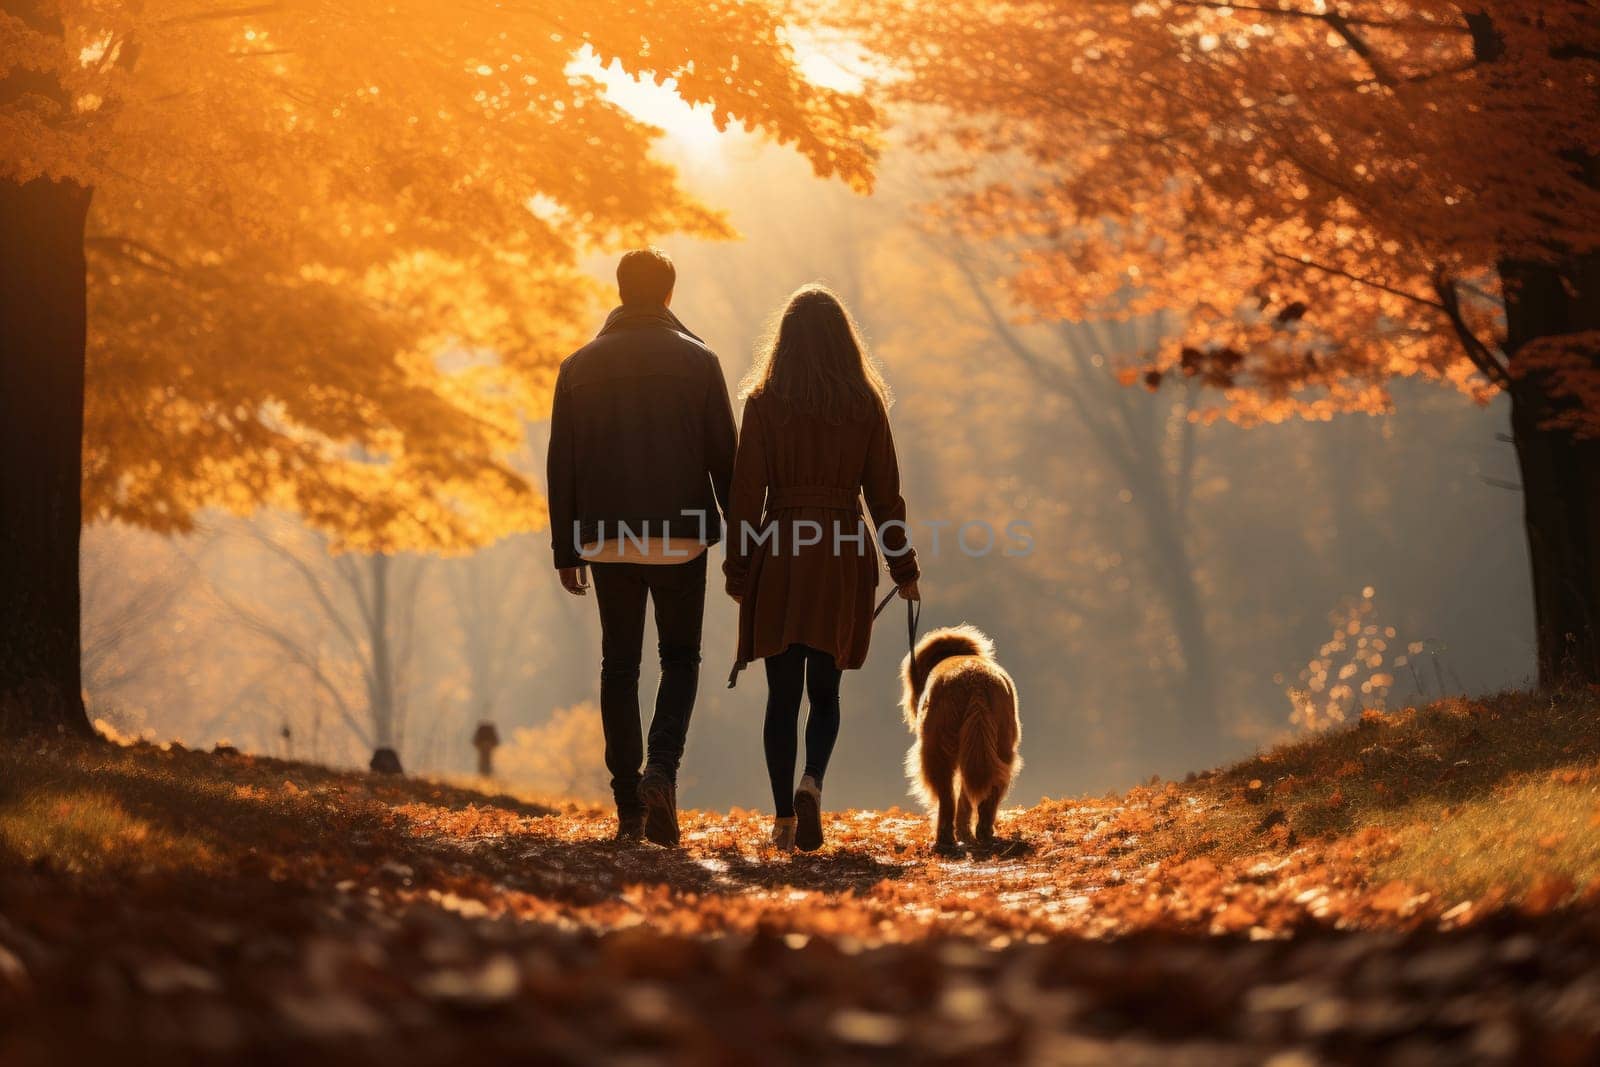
(909,591)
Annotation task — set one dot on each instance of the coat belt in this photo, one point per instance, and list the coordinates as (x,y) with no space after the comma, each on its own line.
(812,496)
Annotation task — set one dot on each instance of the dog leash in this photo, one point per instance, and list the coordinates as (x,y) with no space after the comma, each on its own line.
(913,616)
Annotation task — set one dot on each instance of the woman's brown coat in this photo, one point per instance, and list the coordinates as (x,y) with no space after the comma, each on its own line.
(799,478)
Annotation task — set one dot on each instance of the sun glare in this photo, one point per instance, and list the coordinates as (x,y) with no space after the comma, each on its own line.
(833,63)
(688,129)
(691,130)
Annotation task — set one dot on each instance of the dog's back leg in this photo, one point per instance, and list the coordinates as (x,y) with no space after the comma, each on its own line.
(964,817)
(938,776)
(945,835)
(986,811)
(938,779)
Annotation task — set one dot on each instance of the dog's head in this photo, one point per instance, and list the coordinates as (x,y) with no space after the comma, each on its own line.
(936,647)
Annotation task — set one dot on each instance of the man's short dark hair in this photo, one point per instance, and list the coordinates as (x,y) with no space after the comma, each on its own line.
(645,276)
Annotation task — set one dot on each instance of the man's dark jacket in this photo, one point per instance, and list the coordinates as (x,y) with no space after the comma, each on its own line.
(641,432)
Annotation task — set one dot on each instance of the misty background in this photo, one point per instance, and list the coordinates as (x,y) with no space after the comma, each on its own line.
(1184,577)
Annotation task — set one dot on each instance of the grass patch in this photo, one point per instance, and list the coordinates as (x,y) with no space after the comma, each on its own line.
(112,809)
(1463,798)
(88,830)
(1531,834)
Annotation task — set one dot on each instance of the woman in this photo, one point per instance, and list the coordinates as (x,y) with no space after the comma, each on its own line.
(801,560)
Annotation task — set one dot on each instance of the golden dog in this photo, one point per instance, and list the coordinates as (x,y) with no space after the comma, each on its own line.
(962,707)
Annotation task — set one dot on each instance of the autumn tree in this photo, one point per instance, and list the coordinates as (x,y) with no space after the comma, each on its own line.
(1153,449)
(164,656)
(315,256)
(1330,196)
(494,595)
(363,630)
(1153,454)
(131,587)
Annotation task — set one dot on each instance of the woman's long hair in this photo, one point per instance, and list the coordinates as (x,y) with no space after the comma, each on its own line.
(814,362)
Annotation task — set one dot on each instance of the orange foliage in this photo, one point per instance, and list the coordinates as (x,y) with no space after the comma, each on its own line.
(1326,192)
(1353,670)
(334,249)
(564,756)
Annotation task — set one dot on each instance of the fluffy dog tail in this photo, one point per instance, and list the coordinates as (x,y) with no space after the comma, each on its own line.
(984,768)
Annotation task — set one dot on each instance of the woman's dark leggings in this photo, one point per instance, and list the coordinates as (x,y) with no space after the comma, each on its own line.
(797,667)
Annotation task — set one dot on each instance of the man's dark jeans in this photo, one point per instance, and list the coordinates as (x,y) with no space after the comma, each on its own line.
(678,592)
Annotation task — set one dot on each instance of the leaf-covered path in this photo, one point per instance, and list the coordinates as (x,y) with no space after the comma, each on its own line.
(1084,873)
(173,904)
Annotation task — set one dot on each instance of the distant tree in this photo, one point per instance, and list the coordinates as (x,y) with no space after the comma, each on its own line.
(495,594)
(162,653)
(354,633)
(127,588)
(1330,195)
(1152,449)
(297,210)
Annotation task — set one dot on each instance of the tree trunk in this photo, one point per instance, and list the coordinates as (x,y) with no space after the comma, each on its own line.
(1192,730)
(43,331)
(1198,727)
(1560,471)
(383,710)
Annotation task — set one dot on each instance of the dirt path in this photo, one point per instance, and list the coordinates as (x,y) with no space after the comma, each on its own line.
(1084,874)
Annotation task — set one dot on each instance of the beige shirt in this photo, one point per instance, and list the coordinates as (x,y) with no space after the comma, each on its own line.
(654,550)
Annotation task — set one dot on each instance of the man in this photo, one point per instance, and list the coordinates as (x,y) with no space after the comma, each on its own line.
(641,454)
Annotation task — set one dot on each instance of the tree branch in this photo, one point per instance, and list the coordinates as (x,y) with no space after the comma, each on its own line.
(297,654)
(1342,25)
(1397,26)
(313,585)
(220,14)
(1481,354)
(137,253)
(1341,272)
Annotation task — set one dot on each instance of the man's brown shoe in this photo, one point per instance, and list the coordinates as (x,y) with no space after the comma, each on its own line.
(659,796)
(630,827)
